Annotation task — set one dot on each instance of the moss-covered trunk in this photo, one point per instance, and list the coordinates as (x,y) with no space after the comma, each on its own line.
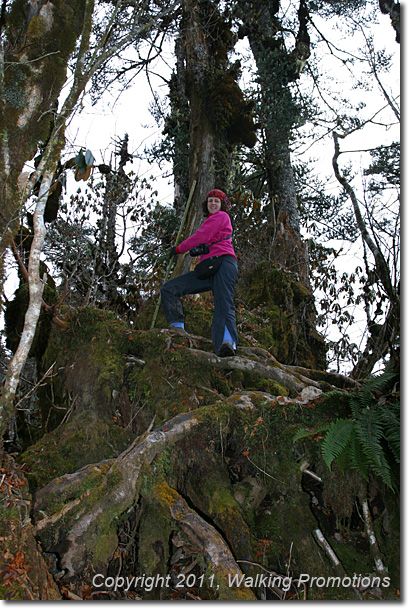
(38,42)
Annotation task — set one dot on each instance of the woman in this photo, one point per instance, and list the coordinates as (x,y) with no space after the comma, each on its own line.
(216,228)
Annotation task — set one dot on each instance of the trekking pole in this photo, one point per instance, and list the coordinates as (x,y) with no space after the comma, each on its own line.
(171,260)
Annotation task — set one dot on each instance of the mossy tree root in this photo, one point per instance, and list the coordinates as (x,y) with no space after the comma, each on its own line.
(295,384)
(215,499)
(85,506)
(210,543)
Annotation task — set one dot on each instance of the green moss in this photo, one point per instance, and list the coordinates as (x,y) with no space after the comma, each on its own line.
(267,526)
(103,542)
(13,591)
(282,316)
(89,358)
(220,384)
(84,440)
(158,384)
(15,93)
(154,542)
(56,502)
(354,560)
(252,381)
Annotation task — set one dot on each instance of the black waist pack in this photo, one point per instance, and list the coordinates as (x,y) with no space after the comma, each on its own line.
(208,267)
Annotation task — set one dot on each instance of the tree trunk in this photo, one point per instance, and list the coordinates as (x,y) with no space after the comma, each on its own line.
(36,287)
(276,70)
(25,124)
(31,51)
(201,131)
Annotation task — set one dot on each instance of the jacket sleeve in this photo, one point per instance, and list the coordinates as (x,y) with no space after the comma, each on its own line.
(216,226)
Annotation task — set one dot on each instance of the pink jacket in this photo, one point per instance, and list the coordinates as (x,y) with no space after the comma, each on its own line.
(216,226)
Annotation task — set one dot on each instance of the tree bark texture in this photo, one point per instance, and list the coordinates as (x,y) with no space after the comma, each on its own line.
(198,66)
(37,44)
(277,68)
(34,66)
(36,287)
(219,116)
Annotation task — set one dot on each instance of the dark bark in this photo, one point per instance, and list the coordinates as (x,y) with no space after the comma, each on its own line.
(392,8)
(202,144)
(277,68)
(220,118)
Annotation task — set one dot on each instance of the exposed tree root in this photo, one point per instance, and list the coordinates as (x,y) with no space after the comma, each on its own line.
(210,543)
(110,489)
(77,514)
(246,365)
(208,489)
(374,547)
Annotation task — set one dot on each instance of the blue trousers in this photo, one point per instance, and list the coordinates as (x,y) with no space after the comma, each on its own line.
(222,284)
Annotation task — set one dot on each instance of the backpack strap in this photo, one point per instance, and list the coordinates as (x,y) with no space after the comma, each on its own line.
(217,242)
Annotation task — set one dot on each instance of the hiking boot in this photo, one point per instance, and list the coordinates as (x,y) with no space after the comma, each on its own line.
(226,350)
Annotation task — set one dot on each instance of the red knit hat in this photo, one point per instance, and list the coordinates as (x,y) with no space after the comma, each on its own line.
(220,195)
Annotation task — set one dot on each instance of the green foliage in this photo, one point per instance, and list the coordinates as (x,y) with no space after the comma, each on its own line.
(386,165)
(336,439)
(304,433)
(369,439)
(151,245)
(81,242)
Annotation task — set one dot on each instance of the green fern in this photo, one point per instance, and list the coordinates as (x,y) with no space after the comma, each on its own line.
(372,435)
(357,459)
(336,439)
(369,440)
(305,432)
(390,418)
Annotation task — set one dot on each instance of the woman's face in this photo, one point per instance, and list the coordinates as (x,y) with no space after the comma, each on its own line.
(214,205)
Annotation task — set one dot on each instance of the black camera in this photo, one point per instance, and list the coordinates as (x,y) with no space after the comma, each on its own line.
(198,250)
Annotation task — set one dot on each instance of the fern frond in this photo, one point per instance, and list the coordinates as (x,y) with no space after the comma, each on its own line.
(370,429)
(378,384)
(305,432)
(343,460)
(358,459)
(370,440)
(381,383)
(383,471)
(390,418)
(371,433)
(336,439)
(335,394)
